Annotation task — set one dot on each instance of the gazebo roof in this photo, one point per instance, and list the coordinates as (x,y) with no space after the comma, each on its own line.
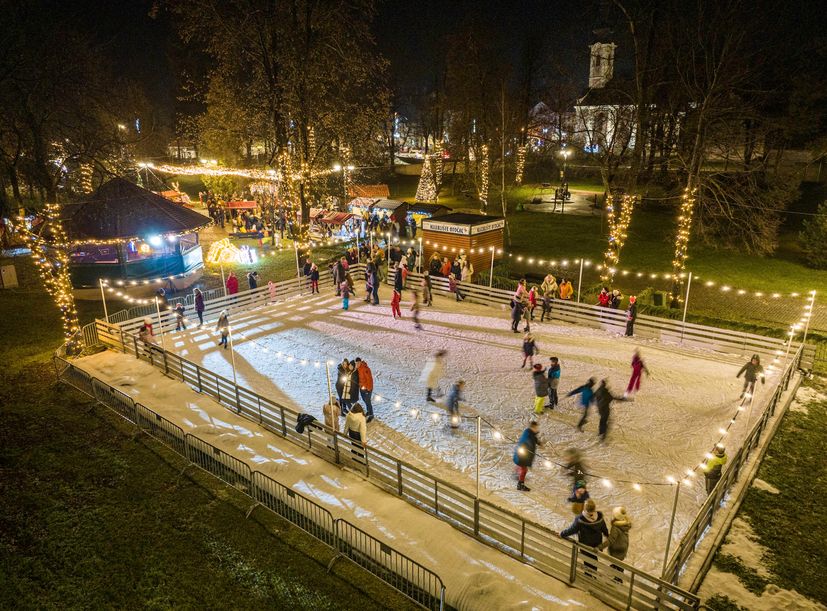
(120,211)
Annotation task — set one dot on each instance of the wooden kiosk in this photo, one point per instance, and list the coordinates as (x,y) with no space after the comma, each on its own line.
(474,234)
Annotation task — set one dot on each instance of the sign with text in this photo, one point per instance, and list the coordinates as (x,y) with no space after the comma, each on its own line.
(492,226)
(446,228)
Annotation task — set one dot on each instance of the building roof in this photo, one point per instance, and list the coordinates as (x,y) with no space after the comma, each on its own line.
(369,191)
(617,92)
(432,209)
(467,218)
(121,210)
(389,204)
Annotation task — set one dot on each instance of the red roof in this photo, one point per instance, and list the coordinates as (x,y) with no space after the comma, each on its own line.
(368,191)
(336,218)
(241,205)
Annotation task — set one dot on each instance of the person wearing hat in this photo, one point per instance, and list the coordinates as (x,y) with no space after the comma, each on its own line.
(223,327)
(579,495)
(553,381)
(618,540)
(145,332)
(525,452)
(540,388)
(631,316)
(713,468)
(590,528)
(751,371)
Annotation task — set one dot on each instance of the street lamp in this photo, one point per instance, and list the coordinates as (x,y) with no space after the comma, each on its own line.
(565,153)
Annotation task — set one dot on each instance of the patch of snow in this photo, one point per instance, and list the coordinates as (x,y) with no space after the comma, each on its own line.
(805,396)
(742,542)
(772,598)
(765,486)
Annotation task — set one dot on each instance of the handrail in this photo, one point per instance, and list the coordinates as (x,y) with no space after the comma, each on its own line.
(421,585)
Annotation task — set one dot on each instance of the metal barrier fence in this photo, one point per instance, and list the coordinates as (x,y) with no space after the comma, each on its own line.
(418,583)
(706,514)
(506,531)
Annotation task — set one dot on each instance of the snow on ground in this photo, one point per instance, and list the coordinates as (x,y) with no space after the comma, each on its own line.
(667,429)
(805,396)
(476,576)
(765,486)
(742,543)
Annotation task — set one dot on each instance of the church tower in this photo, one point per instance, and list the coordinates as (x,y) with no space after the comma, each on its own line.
(601,64)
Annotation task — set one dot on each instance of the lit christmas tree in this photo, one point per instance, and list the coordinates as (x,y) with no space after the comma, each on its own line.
(426,191)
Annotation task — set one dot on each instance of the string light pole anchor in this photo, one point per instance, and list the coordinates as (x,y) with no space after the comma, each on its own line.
(420,254)
(579,280)
(298,271)
(491,274)
(160,324)
(812,301)
(329,387)
(671,528)
(103,298)
(686,305)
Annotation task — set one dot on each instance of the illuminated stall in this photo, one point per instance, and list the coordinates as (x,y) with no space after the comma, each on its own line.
(124,232)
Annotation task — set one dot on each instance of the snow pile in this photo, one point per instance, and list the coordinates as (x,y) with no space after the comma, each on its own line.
(805,396)
(473,573)
(667,429)
(765,486)
(742,543)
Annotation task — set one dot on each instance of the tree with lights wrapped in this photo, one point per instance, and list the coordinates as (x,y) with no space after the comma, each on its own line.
(484,165)
(426,191)
(619,218)
(439,164)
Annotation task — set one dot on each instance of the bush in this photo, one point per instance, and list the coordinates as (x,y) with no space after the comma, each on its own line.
(813,238)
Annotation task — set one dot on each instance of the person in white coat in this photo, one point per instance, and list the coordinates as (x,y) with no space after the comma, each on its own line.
(356,427)
(434,371)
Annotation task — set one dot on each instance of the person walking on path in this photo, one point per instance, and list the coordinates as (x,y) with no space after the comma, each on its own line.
(590,528)
(356,427)
(586,392)
(365,376)
(751,371)
(525,452)
(344,290)
(553,382)
(199,305)
(454,397)
(529,350)
(631,316)
(395,301)
(331,411)
(232,284)
(433,372)
(603,397)
(713,468)
(638,368)
(223,327)
(540,388)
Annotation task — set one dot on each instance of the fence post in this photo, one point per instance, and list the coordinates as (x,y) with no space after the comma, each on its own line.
(336,447)
(123,341)
(237,399)
(573,565)
(436,496)
(283,423)
(631,591)
(166,366)
(198,377)
(522,539)
(399,477)
(135,339)
(476,517)
(260,419)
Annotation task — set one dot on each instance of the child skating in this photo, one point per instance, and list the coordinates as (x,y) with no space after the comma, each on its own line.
(395,301)
(540,388)
(529,349)
(638,367)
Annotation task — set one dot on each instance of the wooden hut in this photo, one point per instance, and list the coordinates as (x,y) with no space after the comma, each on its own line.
(472,234)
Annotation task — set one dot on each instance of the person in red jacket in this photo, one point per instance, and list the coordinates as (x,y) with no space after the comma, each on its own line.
(397,298)
(232,284)
(604,298)
(638,367)
(365,386)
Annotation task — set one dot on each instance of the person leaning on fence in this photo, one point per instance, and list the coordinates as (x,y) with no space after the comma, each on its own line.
(590,528)
(145,332)
(356,427)
(331,414)
(713,468)
(631,316)
(618,539)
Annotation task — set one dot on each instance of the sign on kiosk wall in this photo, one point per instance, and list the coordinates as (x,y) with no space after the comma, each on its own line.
(462,229)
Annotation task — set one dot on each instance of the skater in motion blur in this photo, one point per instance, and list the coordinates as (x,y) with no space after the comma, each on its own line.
(603,397)
(586,392)
(223,327)
(454,397)
(432,373)
(415,309)
(525,452)
(638,367)
(751,371)
(529,349)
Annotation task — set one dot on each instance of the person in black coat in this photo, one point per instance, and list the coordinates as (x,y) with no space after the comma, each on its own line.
(603,398)
(353,387)
(590,528)
(398,284)
(631,316)
(516,315)
(342,376)
(751,371)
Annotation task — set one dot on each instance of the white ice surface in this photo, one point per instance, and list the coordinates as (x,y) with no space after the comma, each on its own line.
(475,576)
(667,429)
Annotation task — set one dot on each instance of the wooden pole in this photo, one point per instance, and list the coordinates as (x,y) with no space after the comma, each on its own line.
(103,298)
(671,528)
(686,305)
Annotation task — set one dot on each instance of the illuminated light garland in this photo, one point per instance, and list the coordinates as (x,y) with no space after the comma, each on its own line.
(52,260)
(521,151)
(687,209)
(86,177)
(426,190)
(484,164)
(439,163)
(223,251)
(618,225)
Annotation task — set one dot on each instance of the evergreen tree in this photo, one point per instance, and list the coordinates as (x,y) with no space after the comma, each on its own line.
(426,191)
(813,237)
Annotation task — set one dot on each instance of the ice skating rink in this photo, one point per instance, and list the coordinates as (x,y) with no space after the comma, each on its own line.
(672,423)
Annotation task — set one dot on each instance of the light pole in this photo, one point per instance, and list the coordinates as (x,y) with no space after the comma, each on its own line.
(686,305)
(565,153)
(160,323)
(103,298)
(579,280)
(671,527)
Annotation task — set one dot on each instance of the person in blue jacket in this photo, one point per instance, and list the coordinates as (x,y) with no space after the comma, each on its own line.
(524,453)
(454,397)
(586,393)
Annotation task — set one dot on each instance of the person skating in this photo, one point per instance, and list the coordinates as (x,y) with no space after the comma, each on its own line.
(751,371)
(344,290)
(618,540)
(351,389)
(369,282)
(532,301)
(415,310)
(586,392)
(454,397)
(579,496)
(574,467)
(342,375)
(553,382)
(631,316)
(395,301)
(540,388)
(314,278)
(525,452)
(427,295)
(603,397)
(713,468)
(199,305)
(516,315)
(453,287)
(433,372)
(223,327)
(529,350)
(180,321)
(365,377)
(398,280)
(526,313)
(638,368)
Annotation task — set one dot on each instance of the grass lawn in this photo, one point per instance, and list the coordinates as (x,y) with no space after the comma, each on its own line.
(791,524)
(92,518)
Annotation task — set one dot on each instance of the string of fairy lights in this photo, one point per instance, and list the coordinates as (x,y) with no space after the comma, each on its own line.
(687,209)
(548,461)
(520,169)
(618,226)
(484,166)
